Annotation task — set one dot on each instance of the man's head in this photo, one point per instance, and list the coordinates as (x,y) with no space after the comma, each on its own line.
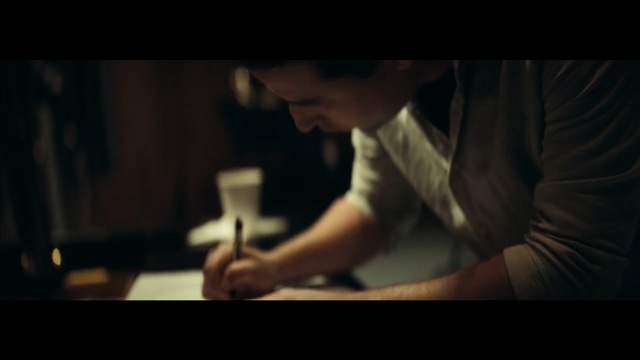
(327,69)
(339,95)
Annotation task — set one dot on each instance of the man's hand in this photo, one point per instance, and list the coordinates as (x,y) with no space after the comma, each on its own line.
(254,274)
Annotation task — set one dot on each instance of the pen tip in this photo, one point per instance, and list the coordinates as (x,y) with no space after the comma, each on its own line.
(238,223)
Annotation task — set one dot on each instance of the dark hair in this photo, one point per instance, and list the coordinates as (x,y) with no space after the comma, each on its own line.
(328,69)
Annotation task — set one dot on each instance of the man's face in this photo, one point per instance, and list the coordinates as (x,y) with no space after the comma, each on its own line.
(338,105)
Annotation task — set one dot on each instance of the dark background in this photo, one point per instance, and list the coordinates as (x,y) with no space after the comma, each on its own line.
(110,159)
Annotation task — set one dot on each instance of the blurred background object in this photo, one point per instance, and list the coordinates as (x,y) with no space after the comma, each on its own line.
(240,192)
(104,162)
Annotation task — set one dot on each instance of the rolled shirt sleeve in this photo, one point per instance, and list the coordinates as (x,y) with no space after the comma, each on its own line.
(378,188)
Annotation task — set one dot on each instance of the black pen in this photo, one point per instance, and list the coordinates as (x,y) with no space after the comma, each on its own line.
(237,247)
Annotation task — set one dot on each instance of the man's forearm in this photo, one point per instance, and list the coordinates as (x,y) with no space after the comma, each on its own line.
(488,280)
(342,238)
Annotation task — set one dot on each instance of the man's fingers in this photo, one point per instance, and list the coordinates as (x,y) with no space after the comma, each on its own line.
(238,274)
(218,258)
(222,275)
(213,269)
(214,293)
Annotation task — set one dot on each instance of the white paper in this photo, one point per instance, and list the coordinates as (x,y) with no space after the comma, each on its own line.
(187,285)
(168,285)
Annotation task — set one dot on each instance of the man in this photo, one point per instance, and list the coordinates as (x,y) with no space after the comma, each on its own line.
(535,164)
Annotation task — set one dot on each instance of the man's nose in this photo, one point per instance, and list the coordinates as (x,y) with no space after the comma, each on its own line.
(305,121)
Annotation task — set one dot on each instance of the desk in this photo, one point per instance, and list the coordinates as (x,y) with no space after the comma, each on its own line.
(165,276)
(106,267)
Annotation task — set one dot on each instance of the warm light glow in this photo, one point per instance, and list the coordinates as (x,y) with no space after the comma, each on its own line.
(241,84)
(24,261)
(56,257)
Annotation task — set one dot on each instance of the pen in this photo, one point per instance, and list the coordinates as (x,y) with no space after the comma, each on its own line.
(237,246)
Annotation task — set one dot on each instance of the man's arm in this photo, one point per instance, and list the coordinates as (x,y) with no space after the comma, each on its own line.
(487,280)
(586,205)
(378,207)
(342,238)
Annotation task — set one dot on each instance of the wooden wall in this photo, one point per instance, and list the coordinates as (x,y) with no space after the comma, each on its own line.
(169,126)
(169,141)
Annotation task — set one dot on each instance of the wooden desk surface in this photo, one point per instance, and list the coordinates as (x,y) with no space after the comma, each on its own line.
(105,279)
